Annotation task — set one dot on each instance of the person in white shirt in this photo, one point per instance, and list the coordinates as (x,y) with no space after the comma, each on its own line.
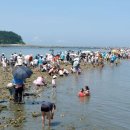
(4,63)
(61,72)
(54,83)
(20,60)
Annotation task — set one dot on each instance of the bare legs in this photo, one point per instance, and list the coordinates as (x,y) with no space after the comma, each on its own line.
(48,115)
(43,119)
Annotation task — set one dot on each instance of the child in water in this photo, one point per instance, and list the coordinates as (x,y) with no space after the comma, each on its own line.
(86,91)
(81,93)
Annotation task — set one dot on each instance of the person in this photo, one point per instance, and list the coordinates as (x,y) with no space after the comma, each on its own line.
(81,93)
(19,88)
(11,87)
(40,81)
(11,63)
(54,83)
(76,65)
(60,72)
(47,110)
(65,71)
(20,60)
(86,91)
(68,56)
(4,63)
(18,96)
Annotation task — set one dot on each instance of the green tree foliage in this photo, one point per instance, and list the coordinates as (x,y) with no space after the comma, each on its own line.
(9,37)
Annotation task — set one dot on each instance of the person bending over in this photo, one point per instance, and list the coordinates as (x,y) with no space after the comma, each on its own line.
(47,109)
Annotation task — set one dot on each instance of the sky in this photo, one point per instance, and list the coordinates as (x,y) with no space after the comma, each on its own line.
(68,22)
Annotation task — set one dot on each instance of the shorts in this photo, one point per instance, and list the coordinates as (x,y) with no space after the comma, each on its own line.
(48,114)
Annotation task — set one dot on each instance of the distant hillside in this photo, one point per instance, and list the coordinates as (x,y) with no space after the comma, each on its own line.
(9,37)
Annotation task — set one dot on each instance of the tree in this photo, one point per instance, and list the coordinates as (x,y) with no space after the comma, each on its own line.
(9,37)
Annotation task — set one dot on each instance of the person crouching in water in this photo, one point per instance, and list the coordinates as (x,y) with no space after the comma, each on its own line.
(81,93)
(86,91)
(47,109)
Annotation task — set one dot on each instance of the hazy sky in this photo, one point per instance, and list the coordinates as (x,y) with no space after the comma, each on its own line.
(68,22)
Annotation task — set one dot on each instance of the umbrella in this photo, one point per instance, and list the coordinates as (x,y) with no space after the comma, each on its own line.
(21,72)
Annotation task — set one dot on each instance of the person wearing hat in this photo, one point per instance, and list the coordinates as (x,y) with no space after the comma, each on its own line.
(11,87)
(47,109)
(54,83)
(20,60)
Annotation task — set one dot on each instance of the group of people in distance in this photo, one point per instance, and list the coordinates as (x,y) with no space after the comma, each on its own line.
(84,92)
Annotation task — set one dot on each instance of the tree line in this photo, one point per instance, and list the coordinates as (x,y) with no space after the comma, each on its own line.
(9,37)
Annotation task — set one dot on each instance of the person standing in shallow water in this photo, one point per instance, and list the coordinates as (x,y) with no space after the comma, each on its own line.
(47,110)
(54,83)
(18,96)
(18,90)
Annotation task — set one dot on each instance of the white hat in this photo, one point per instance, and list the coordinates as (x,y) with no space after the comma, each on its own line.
(9,85)
(54,76)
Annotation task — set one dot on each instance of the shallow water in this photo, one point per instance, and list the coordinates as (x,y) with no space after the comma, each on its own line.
(39,50)
(108,107)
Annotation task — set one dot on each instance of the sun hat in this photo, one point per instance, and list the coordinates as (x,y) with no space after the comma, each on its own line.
(10,85)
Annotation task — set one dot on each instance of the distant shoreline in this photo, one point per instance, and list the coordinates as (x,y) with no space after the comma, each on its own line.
(44,46)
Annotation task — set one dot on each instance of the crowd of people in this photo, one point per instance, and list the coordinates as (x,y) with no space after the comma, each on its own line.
(51,64)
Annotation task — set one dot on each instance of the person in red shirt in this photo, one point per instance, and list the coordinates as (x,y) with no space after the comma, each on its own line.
(81,93)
